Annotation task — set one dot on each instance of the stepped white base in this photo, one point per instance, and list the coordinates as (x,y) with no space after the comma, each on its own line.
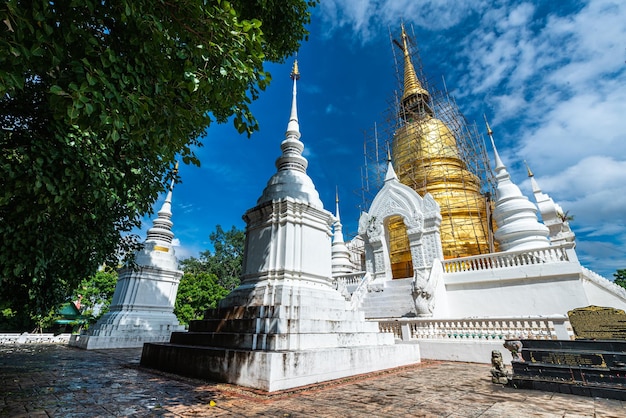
(273,371)
(128,329)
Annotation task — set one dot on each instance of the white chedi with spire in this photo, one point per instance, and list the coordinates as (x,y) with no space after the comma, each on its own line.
(291,179)
(341,263)
(516,217)
(157,250)
(552,214)
(285,325)
(142,308)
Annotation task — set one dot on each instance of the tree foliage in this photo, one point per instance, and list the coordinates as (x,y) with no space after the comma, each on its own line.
(620,278)
(224,261)
(197,292)
(95,293)
(97,100)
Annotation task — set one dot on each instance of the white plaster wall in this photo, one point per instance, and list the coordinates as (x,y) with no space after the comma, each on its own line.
(535,290)
(146,288)
(469,351)
(600,296)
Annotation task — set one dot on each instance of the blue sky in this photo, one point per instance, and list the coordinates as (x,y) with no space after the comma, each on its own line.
(550,76)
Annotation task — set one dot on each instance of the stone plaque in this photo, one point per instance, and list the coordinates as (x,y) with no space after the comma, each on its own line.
(572,359)
(598,323)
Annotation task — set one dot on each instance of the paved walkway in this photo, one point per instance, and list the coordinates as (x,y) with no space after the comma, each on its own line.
(60,381)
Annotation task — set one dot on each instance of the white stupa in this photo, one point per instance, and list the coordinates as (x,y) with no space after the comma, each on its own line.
(285,325)
(142,309)
(341,263)
(552,214)
(516,217)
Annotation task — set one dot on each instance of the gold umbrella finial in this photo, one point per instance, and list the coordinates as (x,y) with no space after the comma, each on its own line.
(295,72)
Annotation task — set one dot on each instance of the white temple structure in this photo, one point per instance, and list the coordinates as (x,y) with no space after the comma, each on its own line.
(285,325)
(462,308)
(431,266)
(312,307)
(142,309)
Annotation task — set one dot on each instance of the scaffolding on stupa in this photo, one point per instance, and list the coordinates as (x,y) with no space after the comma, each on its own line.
(470,150)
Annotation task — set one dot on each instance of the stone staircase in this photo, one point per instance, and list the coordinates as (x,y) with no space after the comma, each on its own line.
(394,300)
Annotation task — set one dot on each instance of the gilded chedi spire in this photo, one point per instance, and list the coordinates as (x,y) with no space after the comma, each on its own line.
(427,159)
(515,215)
(412,85)
(291,179)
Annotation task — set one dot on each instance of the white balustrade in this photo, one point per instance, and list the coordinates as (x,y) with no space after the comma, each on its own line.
(26,338)
(360,292)
(349,279)
(539,328)
(555,254)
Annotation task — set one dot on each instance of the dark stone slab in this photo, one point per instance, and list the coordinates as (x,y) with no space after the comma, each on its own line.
(579,367)
(597,322)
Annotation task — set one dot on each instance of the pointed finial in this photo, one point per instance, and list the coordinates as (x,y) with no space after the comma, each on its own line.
(489,131)
(391,173)
(293,125)
(174,174)
(499,164)
(337,209)
(530,173)
(412,85)
(295,72)
(404,36)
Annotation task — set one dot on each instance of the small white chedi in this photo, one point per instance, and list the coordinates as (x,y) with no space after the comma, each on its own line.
(286,325)
(142,309)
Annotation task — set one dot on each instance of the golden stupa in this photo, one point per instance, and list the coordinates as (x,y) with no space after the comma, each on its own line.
(427,159)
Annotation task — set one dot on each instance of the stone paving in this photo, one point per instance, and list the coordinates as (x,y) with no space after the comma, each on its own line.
(59,381)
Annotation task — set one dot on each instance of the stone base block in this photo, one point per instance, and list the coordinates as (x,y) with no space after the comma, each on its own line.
(128,329)
(276,370)
(99,342)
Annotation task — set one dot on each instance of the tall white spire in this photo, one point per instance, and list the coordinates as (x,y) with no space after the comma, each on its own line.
(340,254)
(161,231)
(291,179)
(516,216)
(293,125)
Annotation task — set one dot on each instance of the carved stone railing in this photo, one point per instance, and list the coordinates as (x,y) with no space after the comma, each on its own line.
(555,254)
(26,338)
(351,279)
(604,282)
(539,328)
(360,292)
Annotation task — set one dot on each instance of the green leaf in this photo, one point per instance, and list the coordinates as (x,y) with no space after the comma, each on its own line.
(37,51)
(54,89)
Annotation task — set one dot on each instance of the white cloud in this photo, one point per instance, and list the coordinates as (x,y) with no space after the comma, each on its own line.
(367,18)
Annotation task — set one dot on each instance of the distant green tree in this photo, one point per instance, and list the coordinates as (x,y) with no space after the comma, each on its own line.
(96,292)
(197,292)
(620,278)
(224,261)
